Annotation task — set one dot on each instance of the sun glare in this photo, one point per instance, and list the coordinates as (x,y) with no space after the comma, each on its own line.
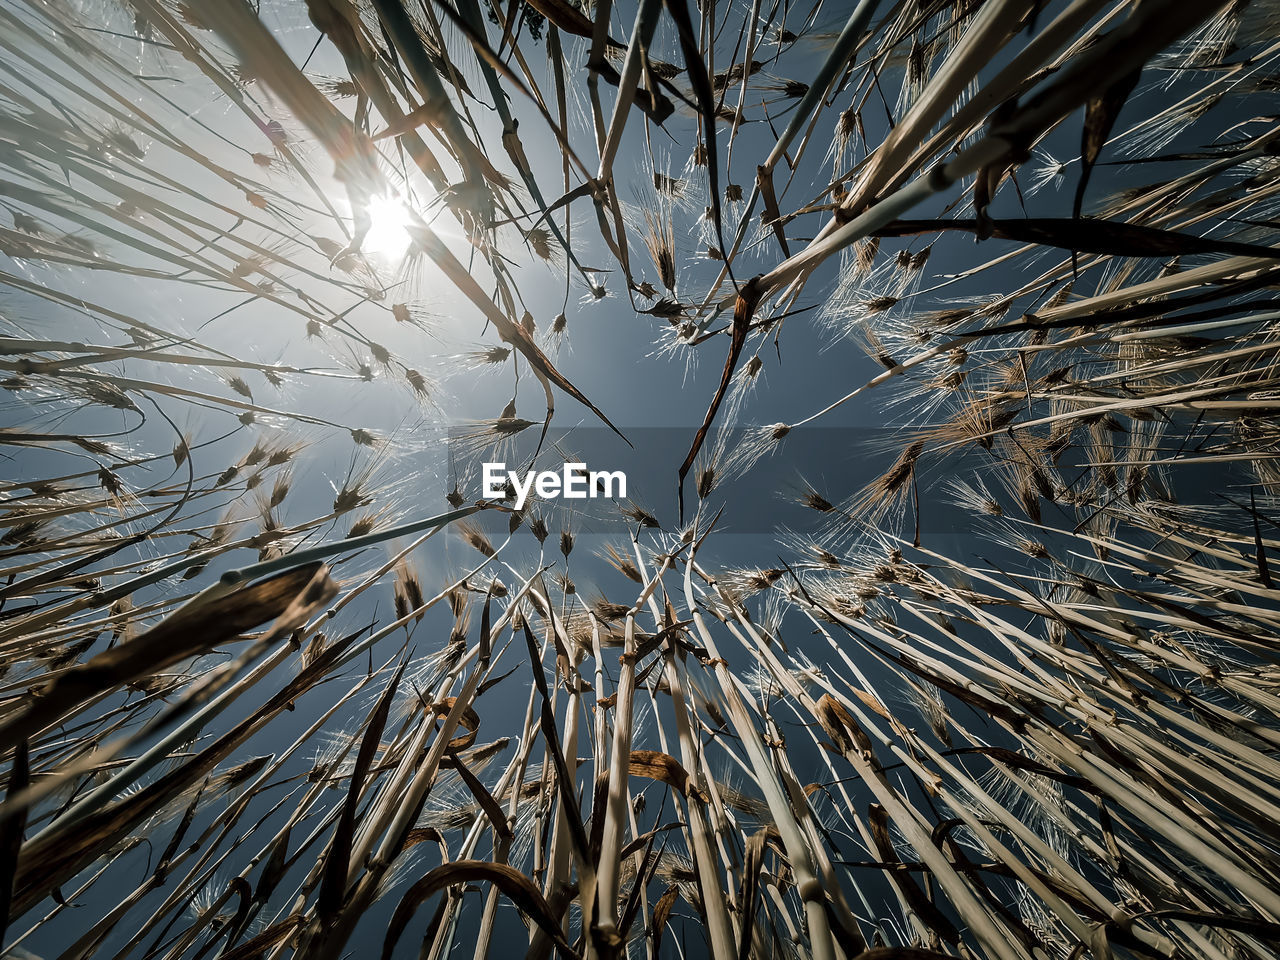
(388,235)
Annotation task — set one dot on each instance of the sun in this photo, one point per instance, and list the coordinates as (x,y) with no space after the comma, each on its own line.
(388,236)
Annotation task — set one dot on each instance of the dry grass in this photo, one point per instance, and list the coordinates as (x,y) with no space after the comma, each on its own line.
(239,709)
